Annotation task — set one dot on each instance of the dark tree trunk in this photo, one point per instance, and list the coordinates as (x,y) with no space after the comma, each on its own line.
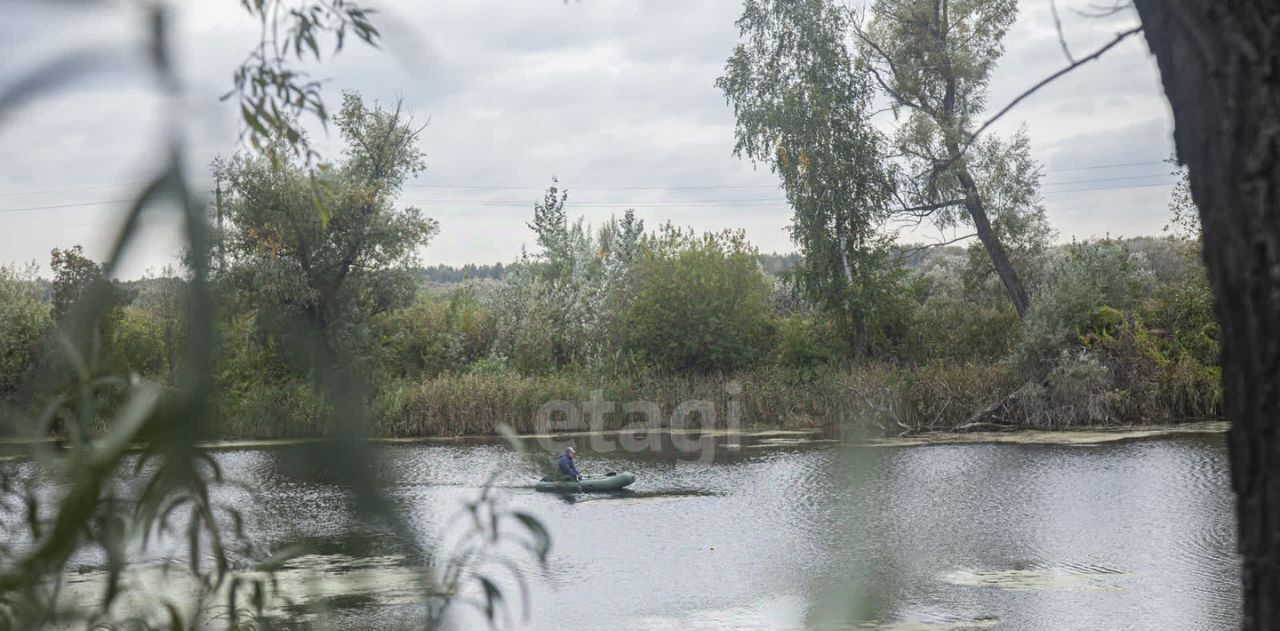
(1220,62)
(999,258)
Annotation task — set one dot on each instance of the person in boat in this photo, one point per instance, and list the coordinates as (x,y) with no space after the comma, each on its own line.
(567,469)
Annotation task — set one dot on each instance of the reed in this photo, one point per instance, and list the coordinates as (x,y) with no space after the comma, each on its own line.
(875,398)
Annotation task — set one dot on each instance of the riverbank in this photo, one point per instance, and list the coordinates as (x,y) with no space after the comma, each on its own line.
(874,399)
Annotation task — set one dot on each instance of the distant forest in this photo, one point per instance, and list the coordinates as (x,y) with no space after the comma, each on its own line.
(773,264)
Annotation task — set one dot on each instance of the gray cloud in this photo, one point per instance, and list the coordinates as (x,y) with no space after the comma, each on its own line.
(602,94)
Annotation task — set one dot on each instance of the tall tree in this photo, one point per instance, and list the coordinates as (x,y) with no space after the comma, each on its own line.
(934,58)
(1219,60)
(73,272)
(328,246)
(802,107)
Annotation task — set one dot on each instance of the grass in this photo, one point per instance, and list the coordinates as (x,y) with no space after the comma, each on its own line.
(876,399)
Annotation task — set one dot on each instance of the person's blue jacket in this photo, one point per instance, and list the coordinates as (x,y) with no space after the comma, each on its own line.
(566,467)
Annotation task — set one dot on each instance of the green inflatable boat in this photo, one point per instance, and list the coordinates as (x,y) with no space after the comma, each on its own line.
(606,482)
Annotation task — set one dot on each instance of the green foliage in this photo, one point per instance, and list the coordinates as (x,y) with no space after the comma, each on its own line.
(1099,356)
(924,60)
(805,347)
(551,226)
(1008,180)
(945,328)
(326,249)
(697,303)
(559,306)
(1185,223)
(435,334)
(1151,382)
(802,107)
(24,323)
(1094,275)
(934,63)
(803,344)
(273,95)
(1181,313)
(70,502)
(449,275)
(526,311)
(490,365)
(73,272)
(138,344)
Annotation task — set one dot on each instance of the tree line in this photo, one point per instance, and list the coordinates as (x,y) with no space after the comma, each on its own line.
(1120,330)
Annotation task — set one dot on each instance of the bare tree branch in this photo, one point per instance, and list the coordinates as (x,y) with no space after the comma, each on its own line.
(925,209)
(1120,37)
(909,252)
(1062,37)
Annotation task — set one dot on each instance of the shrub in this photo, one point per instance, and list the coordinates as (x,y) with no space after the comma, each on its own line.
(1181,314)
(559,307)
(804,344)
(698,303)
(138,343)
(494,364)
(950,329)
(1151,384)
(526,329)
(24,323)
(1093,275)
(435,334)
(1078,390)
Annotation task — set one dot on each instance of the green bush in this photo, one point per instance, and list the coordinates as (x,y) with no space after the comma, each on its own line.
(804,344)
(1181,314)
(697,303)
(494,364)
(949,329)
(1151,383)
(526,312)
(138,343)
(435,334)
(1093,275)
(24,324)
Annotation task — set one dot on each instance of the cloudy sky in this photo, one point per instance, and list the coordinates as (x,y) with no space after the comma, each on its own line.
(613,97)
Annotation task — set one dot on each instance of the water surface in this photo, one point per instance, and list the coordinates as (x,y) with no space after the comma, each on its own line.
(1129,535)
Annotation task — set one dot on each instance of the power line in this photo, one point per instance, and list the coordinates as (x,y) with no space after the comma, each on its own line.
(102,203)
(1109,188)
(1109,179)
(1107,166)
(68,190)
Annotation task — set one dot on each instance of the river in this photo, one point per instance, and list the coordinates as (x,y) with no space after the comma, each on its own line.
(1135,534)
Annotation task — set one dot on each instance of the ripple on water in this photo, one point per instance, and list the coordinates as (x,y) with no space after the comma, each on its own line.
(1060,577)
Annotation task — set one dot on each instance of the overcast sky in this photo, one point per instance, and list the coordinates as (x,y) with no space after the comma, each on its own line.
(616,98)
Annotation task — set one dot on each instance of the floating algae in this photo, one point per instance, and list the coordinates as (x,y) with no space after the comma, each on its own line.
(325,580)
(764,443)
(1052,437)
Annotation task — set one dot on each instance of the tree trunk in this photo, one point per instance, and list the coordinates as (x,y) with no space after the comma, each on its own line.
(972,196)
(999,258)
(1220,63)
